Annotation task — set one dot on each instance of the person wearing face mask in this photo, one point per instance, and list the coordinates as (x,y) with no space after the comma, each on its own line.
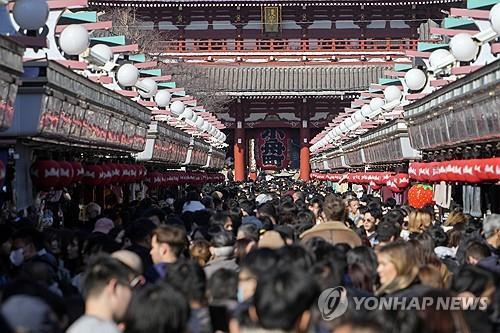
(27,246)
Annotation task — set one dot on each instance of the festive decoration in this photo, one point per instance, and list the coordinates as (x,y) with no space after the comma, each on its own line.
(78,171)
(392,185)
(272,149)
(66,174)
(94,175)
(463,171)
(45,174)
(420,195)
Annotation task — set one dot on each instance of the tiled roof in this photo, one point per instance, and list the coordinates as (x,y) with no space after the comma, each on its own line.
(315,79)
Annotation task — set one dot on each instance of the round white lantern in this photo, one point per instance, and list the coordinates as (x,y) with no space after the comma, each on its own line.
(366,110)
(204,128)
(463,47)
(495,18)
(187,114)
(150,88)
(162,98)
(177,108)
(415,79)
(343,127)
(392,93)
(223,137)
(194,117)
(376,103)
(199,123)
(209,128)
(30,14)
(74,39)
(437,56)
(127,75)
(358,116)
(102,53)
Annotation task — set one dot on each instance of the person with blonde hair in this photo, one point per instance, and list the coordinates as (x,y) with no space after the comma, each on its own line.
(200,251)
(397,269)
(419,221)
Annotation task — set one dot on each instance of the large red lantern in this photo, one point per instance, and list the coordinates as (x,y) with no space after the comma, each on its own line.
(94,175)
(45,174)
(420,195)
(66,174)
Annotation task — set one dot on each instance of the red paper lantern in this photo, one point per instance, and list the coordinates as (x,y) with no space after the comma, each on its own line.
(154,179)
(491,169)
(107,174)
(420,195)
(134,173)
(392,185)
(66,174)
(472,170)
(413,170)
(115,173)
(402,180)
(94,175)
(45,174)
(78,171)
(375,186)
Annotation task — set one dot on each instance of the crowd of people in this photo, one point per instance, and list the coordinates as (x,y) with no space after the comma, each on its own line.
(253,257)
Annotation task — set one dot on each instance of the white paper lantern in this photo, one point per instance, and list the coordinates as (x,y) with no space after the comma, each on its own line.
(194,117)
(415,79)
(366,110)
(127,75)
(199,123)
(343,127)
(376,103)
(213,131)
(204,128)
(187,114)
(437,57)
(162,98)
(223,137)
(392,93)
(463,47)
(30,14)
(495,18)
(74,39)
(102,53)
(177,108)
(358,116)
(148,88)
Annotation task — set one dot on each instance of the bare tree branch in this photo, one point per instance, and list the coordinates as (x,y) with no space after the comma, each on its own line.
(193,79)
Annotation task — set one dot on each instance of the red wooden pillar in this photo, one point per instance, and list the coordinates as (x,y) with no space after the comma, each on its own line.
(239,152)
(305,165)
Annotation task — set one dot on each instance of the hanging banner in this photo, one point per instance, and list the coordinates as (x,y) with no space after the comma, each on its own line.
(272,148)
